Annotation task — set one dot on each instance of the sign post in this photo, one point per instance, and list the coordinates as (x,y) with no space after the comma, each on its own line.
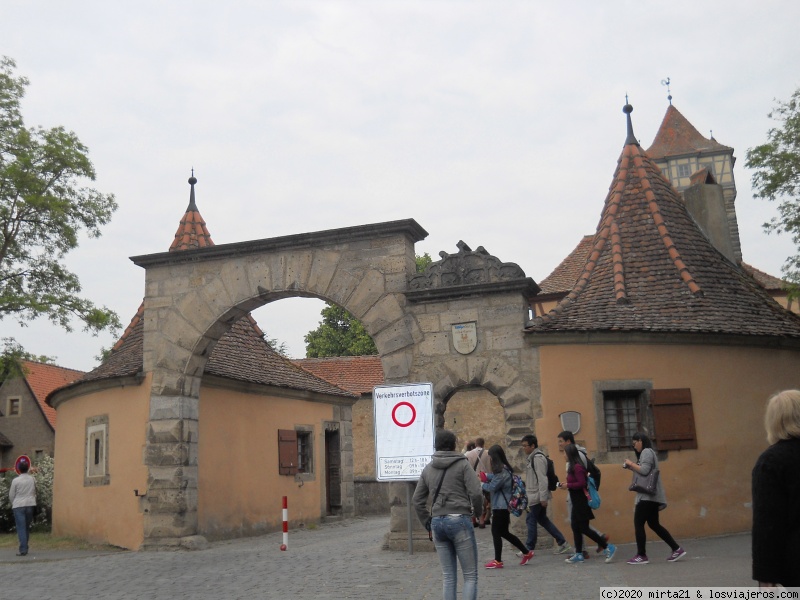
(404,431)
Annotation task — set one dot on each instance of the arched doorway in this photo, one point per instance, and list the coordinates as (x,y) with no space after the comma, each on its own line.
(193,297)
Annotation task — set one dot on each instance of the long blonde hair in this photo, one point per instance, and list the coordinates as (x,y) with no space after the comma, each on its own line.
(782,418)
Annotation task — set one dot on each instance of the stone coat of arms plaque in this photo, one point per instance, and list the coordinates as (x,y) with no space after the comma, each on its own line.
(465,337)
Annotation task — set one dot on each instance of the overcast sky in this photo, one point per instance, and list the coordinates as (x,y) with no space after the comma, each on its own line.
(497,123)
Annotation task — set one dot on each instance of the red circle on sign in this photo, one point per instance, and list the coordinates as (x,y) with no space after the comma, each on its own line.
(394,414)
(21,459)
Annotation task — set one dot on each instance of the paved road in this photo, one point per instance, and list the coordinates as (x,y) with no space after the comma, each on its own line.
(345,560)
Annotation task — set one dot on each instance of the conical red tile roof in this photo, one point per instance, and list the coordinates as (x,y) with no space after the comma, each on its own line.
(192,232)
(678,136)
(651,269)
(241,354)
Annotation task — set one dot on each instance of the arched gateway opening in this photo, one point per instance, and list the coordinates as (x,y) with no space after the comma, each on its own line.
(458,324)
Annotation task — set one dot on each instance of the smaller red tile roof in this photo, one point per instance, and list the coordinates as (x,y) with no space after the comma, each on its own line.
(192,232)
(356,374)
(678,136)
(43,379)
(765,280)
(564,276)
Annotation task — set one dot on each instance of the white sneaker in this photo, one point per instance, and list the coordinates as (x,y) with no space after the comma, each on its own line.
(563,548)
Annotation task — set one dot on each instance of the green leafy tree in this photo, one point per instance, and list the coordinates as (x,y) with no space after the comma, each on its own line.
(339,334)
(12,356)
(423,261)
(44,205)
(777,177)
(278,346)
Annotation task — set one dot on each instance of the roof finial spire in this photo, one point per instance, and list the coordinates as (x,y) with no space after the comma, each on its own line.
(669,94)
(192,181)
(628,109)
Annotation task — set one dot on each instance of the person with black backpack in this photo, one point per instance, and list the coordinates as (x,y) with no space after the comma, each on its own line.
(539,494)
(564,439)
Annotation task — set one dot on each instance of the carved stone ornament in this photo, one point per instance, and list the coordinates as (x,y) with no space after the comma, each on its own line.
(466,267)
(465,337)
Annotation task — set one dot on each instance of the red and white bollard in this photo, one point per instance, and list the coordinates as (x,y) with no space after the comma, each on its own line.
(285,543)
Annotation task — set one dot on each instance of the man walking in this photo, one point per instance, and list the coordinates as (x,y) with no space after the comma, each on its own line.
(538,496)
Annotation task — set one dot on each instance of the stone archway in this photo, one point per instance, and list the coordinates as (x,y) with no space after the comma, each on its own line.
(193,297)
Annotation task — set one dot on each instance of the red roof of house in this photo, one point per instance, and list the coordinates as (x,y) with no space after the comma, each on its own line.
(651,269)
(241,353)
(763,279)
(357,374)
(564,276)
(43,379)
(678,136)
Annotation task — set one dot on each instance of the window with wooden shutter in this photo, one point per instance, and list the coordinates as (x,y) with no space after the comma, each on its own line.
(287,452)
(673,418)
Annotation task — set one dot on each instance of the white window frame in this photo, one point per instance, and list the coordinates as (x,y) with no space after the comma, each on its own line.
(96,463)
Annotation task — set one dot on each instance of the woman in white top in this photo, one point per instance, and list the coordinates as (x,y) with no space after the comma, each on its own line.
(22,495)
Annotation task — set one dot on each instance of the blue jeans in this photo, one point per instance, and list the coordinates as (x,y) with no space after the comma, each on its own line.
(537,514)
(454,538)
(23,517)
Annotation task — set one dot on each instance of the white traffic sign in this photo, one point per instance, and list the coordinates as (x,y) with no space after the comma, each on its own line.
(403,430)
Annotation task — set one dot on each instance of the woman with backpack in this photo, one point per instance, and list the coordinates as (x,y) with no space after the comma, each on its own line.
(576,485)
(649,505)
(499,483)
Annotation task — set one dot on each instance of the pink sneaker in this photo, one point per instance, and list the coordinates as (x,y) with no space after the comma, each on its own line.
(526,558)
(494,564)
(677,555)
(639,559)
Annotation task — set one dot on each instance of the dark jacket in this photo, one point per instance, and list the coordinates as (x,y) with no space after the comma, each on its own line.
(461,490)
(776,514)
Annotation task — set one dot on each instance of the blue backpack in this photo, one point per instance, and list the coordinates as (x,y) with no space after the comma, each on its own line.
(519,496)
(592,495)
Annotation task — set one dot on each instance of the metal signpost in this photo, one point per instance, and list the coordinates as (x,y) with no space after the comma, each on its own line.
(404,431)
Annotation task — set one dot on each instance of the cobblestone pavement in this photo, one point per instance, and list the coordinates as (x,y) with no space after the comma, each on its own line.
(345,560)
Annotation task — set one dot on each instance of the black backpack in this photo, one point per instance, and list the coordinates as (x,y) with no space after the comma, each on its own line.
(594,470)
(552,478)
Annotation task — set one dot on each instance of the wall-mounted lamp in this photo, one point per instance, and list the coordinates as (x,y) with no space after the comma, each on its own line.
(138,495)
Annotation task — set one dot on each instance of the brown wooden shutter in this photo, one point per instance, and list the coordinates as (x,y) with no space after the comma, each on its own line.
(287,452)
(673,418)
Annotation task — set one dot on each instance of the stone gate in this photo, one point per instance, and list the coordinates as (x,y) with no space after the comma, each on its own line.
(192,298)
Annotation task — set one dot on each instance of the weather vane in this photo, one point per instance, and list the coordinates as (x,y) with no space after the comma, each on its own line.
(669,94)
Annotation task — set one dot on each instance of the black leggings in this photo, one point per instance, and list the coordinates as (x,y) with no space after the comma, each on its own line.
(580,529)
(501,519)
(647,512)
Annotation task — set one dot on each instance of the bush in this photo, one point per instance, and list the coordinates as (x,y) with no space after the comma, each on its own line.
(44,497)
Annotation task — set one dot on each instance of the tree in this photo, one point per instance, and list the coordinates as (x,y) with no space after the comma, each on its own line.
(339,334)
(777,177)
(422,261)
(12,356)
(278,346)
(44,206)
